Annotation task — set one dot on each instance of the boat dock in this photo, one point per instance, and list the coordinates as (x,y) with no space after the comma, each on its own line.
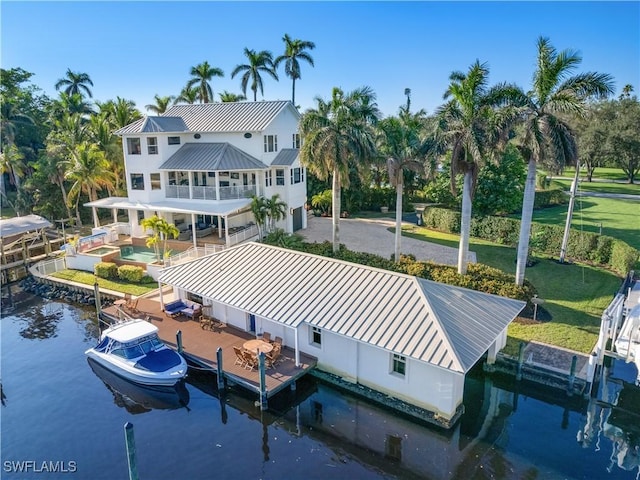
(199,346)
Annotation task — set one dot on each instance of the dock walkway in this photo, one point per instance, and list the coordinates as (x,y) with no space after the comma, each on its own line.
(200,346)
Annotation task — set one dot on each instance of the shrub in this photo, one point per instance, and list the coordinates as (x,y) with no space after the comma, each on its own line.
(442,219)
(106,270)
(550,198)
(623,257)
(130,273)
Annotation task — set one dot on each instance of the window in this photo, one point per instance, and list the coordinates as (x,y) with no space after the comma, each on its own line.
(173,140)
(155,181)
(267,178)
(178,178)
(393,447)
(280,176)
(152,145)
(296,140)
(270,143)
(399,364)
(296,175)
(137,181)
(316,336)
(133,146)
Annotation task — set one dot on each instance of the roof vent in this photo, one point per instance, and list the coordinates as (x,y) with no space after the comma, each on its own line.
(247,135)
(196,135)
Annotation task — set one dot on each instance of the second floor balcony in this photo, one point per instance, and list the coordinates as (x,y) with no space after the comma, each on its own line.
(211,193)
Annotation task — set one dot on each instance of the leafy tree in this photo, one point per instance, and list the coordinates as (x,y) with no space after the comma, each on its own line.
(337,134)
(591,135)
(12,162)
(120,112)
(294,51)
(501,184)
(75,83)
(404,143)
(226,97)
(322,201)
(69,105)
(471,125)
(202,75)
(258,62)
(11,119)
(161,105)
(623,140)
(162,230)
(547,138)
(276,210)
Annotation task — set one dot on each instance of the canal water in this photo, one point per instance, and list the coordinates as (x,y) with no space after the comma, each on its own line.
(63,417)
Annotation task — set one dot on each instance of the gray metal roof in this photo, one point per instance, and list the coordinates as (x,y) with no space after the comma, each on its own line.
(209,157)
(439,324)
(223,208)
(286,157)
(154,125)
(26,223)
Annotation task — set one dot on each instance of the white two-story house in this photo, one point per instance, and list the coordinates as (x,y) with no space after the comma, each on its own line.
(198,165)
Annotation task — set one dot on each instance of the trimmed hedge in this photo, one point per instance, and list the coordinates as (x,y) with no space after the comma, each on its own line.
(107,270)
(545,239)
(550,198)
(131,273)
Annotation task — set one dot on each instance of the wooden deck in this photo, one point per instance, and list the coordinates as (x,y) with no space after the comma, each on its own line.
(199,347)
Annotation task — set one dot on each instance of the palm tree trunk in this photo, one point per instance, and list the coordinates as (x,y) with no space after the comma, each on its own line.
(465,224)
(336,210)
(567,226)
(525,222)
(399,189)
(293,92)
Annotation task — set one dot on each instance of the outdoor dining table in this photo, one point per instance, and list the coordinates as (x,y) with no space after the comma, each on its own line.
(256,345)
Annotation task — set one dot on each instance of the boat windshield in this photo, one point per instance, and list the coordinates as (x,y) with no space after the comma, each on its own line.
(137,348)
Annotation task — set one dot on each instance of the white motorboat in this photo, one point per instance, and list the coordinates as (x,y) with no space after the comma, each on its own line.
(133,350)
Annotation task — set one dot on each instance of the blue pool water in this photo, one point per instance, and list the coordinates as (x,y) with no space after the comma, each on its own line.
(58,407)
(137,254)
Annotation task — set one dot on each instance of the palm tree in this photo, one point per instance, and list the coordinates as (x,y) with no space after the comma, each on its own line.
(258,62)
(470,127)
(10,119)
(227,97)
(405,145)
(69,104)
(293,52)
(89,171)
(187,95)
(337,134)
(202,75)
(546,136)
(161,105)
(75,82)
(162,230)
(120,112)
(276,210)
(626,91)
(12,163)
(259,211)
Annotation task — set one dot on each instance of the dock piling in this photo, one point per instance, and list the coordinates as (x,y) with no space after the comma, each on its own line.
(263,381)
(96,295)
(520,361)
(219,371)
(179,340)
(131,451)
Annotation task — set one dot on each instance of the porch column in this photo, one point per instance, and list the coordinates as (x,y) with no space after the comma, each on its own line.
(114,213)
(96,220)
(193,231)
(219,226)
(226,231)
(296,348)
(217,186)
(161,300)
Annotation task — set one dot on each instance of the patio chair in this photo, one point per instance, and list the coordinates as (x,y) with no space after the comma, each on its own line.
(239,357)
(278,341)
(273,357)
(132,305)
(251,361)
(266,336)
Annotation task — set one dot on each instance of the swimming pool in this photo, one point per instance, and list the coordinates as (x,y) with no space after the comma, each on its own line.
(137,254)
(101,251)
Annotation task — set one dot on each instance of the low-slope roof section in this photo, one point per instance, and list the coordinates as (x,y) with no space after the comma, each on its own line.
(286,157)
(211,157)
(392,311)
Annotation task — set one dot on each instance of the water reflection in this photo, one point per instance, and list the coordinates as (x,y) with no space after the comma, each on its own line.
(138,399)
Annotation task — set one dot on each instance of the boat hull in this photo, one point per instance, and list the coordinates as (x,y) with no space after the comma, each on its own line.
(128,370)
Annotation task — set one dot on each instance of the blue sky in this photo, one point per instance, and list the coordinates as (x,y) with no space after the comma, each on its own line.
(138,49)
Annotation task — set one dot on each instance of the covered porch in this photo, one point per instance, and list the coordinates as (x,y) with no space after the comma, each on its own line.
(227,223)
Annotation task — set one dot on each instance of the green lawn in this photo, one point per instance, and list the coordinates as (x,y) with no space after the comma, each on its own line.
(600,187)
(575,295)
(87,278)
(618,218)
(604,173)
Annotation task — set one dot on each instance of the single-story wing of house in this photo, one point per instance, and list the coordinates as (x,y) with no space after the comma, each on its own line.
(407,337)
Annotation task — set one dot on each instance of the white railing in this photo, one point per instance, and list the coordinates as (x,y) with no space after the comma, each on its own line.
(246,234)
(232,193)
(178,191)
(209,193)
(48,267)
(189,254)
(210,248)
(204,193)
(121,228)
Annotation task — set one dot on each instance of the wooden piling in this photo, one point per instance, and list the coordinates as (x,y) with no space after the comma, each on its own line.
(179,340)
(263,381)
(219,372)
(520,362)
(131,451)
(96,296)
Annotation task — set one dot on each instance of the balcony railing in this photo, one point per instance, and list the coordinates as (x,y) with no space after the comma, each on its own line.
(209,193)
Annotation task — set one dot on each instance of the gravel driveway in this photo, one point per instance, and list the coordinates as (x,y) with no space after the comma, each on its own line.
(373,236)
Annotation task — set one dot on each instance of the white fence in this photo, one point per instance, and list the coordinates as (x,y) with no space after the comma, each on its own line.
(47,267)
(249,233)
